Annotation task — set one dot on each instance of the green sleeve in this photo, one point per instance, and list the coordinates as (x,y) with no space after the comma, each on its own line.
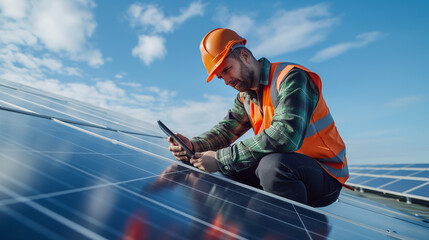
(234,125)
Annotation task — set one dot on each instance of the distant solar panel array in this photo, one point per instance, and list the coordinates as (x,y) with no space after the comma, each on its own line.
(406,180)
(72,171)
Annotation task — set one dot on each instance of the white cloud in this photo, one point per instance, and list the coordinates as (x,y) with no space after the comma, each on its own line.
(71,71)
(242,24)
(52,64)
(110,88)
(194,117)
(340,48)
(150,16)
(150,48)
(195,9)
(60,26)
(162,95)
(151,19)
(404,102)
(13,8)
(27,61)
(144,99)
(12,32)
(15,61)
(94,58)
(286,31)
(131,84)
(293,30)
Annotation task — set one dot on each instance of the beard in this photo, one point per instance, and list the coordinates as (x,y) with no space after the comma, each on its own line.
(247,79)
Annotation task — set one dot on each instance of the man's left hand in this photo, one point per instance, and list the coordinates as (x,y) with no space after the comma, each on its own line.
(205,161)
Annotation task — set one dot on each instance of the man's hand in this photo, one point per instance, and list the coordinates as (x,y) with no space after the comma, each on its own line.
(177,150)
(205,161)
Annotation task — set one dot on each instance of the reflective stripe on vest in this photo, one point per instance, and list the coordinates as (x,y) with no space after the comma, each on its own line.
(319,125)
(322,141)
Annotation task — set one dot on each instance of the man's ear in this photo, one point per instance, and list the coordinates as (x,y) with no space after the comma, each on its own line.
(245,56)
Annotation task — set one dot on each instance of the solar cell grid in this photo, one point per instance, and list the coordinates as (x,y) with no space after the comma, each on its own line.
(61,181)
(408,178)
(148,143)
(422,191)
(377,182)
(381,172)
(404,172)
(422,174)
(362,171)
(404,165)
(360,179)
(419,165)
(402,185)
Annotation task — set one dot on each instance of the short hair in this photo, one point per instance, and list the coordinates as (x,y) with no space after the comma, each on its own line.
(236,53)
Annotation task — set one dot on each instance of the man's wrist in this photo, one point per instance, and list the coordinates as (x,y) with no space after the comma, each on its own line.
(223,160)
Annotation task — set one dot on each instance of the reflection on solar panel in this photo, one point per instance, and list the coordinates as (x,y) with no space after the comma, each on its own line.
(73,176)
(406,180)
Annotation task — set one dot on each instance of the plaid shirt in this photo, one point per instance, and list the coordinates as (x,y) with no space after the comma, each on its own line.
(297,99)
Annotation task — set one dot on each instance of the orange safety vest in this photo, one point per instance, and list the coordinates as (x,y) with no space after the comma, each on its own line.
(322,141)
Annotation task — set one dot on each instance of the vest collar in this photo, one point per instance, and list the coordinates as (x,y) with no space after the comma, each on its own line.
(265,71)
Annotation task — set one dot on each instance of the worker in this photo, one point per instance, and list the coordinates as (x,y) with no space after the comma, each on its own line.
(296,152)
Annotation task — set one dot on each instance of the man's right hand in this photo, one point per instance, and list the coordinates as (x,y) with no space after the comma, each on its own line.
(178,152)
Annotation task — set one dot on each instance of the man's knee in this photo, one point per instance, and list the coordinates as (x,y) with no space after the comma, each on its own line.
(271,170)
(274,163)
(267,166)
(279,178)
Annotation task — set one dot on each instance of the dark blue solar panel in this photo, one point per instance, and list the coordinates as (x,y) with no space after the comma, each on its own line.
(369,165)
(360,179)
(403,185)
(400,165)
(419,165)
(382,172)
(421,191)
(403,173)
(362,171)
(149,144)
(76,182)
(377,182)
(352,177)
(422,174)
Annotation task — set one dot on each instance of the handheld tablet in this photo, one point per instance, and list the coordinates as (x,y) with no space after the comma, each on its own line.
(176,139)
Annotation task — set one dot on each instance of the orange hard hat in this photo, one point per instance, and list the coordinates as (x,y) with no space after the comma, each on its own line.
(215,46)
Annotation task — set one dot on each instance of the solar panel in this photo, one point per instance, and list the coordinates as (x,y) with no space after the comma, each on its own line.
(73,176)
(402,180)
(421,191)
(377,182)
(360,179)
(422,174)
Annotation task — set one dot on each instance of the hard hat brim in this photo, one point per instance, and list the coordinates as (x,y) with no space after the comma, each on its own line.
(216,66)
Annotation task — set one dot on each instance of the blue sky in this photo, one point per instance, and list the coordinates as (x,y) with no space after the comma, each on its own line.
(141,58)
